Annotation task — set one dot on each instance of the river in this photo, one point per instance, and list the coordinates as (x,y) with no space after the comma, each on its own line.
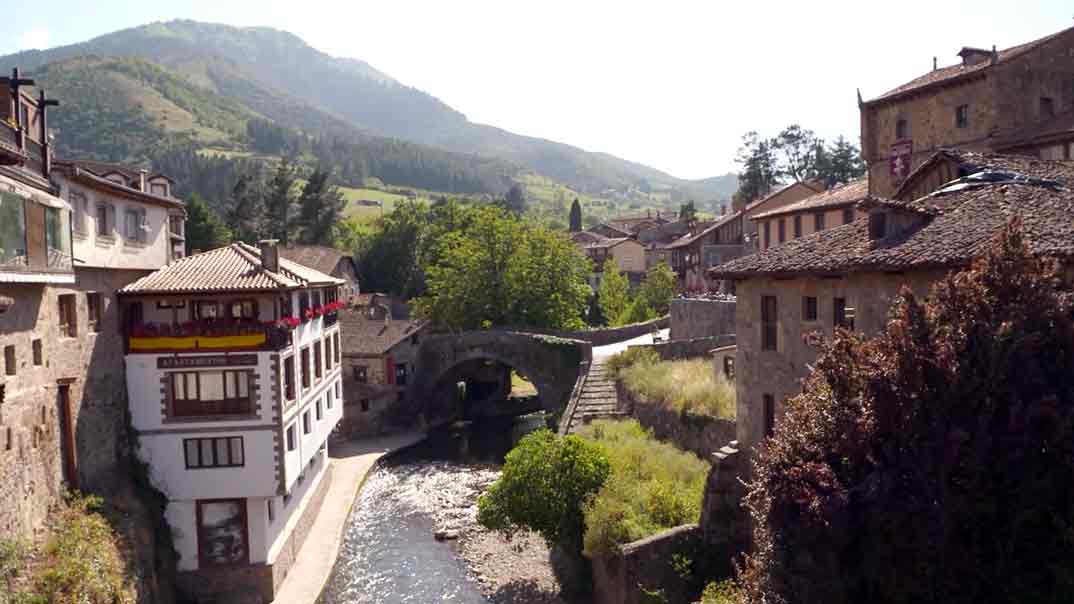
(389,554)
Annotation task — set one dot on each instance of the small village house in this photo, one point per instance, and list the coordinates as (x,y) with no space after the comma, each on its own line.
(626,252)
(327,260)
(233,370)
(707,245)
(817,212)
(782,197)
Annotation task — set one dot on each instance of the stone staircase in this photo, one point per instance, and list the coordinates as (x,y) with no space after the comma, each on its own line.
(598,399)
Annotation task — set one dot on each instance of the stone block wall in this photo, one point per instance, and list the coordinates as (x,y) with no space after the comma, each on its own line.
(699,434)
(646,565)
(698,318)
(606,335)
(695,348)
(724,521)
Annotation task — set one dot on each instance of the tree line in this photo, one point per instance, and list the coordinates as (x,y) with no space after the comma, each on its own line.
(796,154)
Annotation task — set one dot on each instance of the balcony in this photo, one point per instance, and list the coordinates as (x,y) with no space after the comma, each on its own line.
(209,336)
(35,238)
(11,152)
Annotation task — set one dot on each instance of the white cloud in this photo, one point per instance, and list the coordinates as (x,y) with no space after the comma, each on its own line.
(34,38)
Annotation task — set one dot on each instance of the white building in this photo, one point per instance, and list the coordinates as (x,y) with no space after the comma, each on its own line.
(233,373)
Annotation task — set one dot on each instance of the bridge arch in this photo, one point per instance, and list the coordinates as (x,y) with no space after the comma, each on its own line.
(553,365)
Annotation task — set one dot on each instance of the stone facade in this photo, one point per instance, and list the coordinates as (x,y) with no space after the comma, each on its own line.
(646,566)
(700,317)
(725,528)
(700,434)
(369,402)
(778,373)
(44,444)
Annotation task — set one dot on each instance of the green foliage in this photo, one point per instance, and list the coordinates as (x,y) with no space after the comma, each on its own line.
(633,355)
(687,386)
(688,212)
(653,487)
(934,462)
(576,216)
(614,294)
(279,203)
(204,228)
(795,154)
(721,592)
(658,289)
(320,208)
(545,483)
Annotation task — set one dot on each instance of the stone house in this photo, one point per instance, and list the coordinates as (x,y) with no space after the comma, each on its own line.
(379,361)
(792,296)
(784,196)
(632,224)
(707,245)
(233,373)
(62,394)
(628,254)
(327,260)
(814,213)
(1019,99)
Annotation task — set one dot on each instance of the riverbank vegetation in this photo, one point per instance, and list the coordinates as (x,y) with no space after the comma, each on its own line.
(82,561)
(688,386)
(653,486)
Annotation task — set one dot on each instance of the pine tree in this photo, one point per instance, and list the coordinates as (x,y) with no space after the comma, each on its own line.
(279,203)
(204,228)
(245,213)
(320,208)
(759,170)
(614,294)
(576,216)
(845,163)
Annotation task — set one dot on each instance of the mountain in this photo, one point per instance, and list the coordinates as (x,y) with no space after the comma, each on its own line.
(276,75)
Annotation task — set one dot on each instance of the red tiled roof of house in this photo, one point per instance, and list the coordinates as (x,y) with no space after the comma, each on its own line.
(363,336)
(970,162)
(815,187)
(953,72)
(702,230)
(235,267)
(952,228)
(838,196)
(318,257)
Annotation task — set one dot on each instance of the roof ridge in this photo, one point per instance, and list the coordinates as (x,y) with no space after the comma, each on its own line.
(256,262)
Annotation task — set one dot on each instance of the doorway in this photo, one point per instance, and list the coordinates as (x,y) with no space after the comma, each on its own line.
(67,435)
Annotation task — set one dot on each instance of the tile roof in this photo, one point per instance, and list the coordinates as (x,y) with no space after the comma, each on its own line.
(364,336)
(953,72)
(606,243)
(813,186)
(318,257)
(838,196)
(704,229)
(959,226)
(235,267)
(970,162)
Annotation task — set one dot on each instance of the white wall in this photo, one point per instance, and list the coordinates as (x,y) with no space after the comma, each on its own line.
(118,252)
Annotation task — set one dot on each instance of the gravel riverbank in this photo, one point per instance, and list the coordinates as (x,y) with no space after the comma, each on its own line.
(518,571)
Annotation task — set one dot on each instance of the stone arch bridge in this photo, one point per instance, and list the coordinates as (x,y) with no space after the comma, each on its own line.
(455,373)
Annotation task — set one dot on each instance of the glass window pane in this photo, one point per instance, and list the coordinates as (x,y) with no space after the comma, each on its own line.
(191,386)
(222,453)
(242,384)
(207,452)
(236,451)
(12,229)
(178,387)
(212,386)
(191,453)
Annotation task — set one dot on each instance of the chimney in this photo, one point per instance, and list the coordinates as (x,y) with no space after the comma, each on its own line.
(995,55)
(141,179)
(934,65)
(975,56)
(270,254)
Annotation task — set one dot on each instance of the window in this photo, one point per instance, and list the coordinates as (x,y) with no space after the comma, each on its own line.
(809,308)
(1047,107)
(962,116)
(329,397)
(270,504)
(13,233)
(304,367)
(242,309)
(339,353)
(782,230)
(318,359)
(206,309)
(132,224)
(58,238)
(365,405)
(9,360)
(78,201)
(329,354)
(414,340)
(222,539)
(848,215)
(213,452)
(360,374)
(291,437)
(769,415)
(157,188)
(769,323)
(68,316)
(818,221)
(38,353)
(767,235)
(303,304)
(199,393)
(902,129)
(339,389)
(842,315)
(877,225)
(400,374)
(289,377)
(320,409)
(306,425)
(729,367)
(93,310)
(797,226)
(106,218)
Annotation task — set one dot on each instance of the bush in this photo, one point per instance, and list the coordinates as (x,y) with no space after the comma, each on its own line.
(934,463)
(722,592)
(653,487)
(691,386)
(633,355)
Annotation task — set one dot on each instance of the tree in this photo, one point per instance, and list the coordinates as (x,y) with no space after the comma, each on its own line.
(204,228)
(797,152)
(843,163)
(614,294)
(546,481)
(515,200)
(389,263)
(279,202)
(688,212)
(245,212)
(576,216)
(659,288)
(320,208)
(935,462)
(759,172)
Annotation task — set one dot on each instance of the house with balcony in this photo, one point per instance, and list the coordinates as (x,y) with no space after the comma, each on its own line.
(233,371)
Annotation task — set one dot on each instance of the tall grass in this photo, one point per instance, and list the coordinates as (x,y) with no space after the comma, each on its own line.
(683,385)
(653,487)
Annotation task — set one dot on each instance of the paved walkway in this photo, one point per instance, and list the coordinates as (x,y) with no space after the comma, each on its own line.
(350,462)
(603,352)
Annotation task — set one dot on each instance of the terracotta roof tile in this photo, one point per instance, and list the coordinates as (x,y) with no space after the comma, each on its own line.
(835,197)
(318,257)
(236,267)
(364,336)
(970,162)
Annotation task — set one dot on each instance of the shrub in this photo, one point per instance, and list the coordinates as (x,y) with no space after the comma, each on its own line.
(633,355)
(934,463)
(691,386)
(653,487)
(721,592)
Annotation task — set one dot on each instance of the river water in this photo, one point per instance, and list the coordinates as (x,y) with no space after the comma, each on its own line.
(389,554)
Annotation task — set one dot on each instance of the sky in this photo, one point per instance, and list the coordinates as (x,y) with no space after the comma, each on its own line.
(672,84)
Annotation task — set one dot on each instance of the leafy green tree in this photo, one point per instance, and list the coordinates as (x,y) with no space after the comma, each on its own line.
(614,294)
(659,288)
(576,216)
(320,208)
(796,148)
(759,170)
(245,210)
(280,202)
(204,228)
(515,200)
(389,262)
(935,462)
(637,311)
(545,484)
(843,164)
(548,279)
(688,212)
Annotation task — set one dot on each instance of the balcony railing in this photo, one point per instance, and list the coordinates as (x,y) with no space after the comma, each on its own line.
(208,336)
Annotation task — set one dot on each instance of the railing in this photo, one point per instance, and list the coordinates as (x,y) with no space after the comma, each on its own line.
(208,336)
(9,144)
(331,319)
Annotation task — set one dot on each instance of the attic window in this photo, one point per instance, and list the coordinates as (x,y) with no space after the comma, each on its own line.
(962,116)
(902,129)
(1047,107)
(878,223)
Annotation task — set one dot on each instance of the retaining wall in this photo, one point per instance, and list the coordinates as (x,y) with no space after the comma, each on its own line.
(605,335)
(646,565)
(700,317)
(696,348)
(699,434)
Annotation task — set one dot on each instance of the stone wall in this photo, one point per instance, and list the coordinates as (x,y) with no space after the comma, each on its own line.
(724,521)
(699,318)
(606,335)
(646,565)
(696,348)
(699,434)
